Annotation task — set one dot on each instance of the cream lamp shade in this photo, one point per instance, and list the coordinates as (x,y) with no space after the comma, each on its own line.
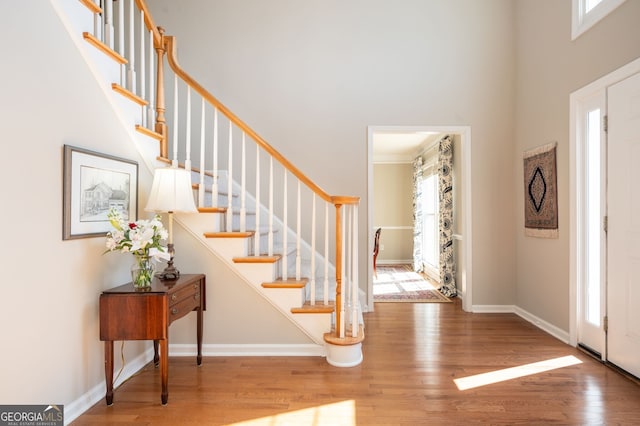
(171,192)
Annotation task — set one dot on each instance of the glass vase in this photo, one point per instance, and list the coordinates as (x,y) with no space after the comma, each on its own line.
(142,271)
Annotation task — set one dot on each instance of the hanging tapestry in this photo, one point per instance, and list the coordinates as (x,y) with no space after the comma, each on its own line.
(417,214)
(540,192)
(445,194)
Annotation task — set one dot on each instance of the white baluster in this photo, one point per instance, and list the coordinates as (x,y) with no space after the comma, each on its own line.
(152,92)
(174,161)
(243,186)
(270,238)
(256,249)
(201,187)
(214,184)
(346,269)
(312,275)
(108,23)
(123,71)
(187,161)
(131,58)
(342,278)
(143,88)
(355,304)
(230,181)
(326,254)
(98,31)
(285,229)
(298,236)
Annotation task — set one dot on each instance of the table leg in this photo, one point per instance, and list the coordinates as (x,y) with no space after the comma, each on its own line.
(156,357)
(199,336)
(164,369)
(108,370)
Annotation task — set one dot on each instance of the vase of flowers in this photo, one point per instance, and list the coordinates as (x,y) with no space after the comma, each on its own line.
(141,238)
(142,271)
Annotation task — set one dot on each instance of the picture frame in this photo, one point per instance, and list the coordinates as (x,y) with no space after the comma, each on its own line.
(93,183)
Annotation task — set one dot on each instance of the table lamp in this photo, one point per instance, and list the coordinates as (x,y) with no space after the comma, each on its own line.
(171,193)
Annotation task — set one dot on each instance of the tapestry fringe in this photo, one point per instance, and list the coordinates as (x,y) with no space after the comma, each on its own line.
(540,150)
(541,233)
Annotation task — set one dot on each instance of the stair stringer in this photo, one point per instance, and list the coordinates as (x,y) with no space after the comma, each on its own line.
(77,19)
(254,274)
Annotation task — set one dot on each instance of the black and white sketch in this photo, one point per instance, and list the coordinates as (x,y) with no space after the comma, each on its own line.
(93,184)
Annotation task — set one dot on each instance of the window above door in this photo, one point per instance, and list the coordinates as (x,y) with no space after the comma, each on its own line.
(586,13)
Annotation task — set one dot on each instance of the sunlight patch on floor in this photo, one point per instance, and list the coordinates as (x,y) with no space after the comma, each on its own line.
(338,414)
(491,377)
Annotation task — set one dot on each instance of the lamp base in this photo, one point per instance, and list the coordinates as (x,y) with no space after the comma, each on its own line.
(170,273)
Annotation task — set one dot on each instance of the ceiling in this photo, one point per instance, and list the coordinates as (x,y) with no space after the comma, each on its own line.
(401,146)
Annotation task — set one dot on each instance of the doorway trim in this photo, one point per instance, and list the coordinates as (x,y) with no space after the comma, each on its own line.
(466,292)
(577,101)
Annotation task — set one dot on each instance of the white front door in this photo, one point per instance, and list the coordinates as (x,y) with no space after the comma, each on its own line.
(623,252)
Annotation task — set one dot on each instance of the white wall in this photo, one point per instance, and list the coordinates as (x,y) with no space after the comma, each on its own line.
(51,351)
(311,76)
(393,211)
(549,67)
(49,323)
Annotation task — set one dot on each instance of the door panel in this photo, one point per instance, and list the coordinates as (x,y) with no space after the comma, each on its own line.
(623,272)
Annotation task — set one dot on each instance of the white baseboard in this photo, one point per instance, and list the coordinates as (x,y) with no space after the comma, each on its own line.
(74,409)
(493,309)
(556,332)
(248,350)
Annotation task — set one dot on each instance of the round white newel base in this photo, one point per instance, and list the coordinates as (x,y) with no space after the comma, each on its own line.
(344,355)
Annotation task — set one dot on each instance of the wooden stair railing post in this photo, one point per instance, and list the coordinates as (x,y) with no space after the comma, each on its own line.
(161,121)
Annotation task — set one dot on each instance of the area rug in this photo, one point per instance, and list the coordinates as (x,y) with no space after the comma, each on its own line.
(399,283)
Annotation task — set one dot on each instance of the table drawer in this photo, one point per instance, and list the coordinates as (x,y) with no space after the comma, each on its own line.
(184,306)
(188,292)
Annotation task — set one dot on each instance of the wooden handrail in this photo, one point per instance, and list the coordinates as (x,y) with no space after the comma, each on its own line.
(171,49)
(148,20)
(344,199)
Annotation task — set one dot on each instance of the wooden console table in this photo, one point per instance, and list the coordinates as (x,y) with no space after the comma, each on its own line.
(130,314)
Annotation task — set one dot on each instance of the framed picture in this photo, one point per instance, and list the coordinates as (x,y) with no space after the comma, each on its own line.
(93,184)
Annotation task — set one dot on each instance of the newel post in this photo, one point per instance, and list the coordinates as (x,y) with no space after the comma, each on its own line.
(161,122)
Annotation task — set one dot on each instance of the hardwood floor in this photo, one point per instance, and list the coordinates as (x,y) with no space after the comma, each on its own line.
(412,354)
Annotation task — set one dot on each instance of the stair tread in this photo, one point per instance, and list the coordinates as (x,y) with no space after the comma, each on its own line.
(91,39)
(148,132)
(288,283)
(212,209)
(231,234)
(91,6)
(129,94)
(318,308)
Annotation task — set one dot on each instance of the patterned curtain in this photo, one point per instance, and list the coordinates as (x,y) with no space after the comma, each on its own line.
(445,191)
(417,214)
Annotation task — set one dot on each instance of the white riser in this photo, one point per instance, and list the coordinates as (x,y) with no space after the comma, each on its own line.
(286,298)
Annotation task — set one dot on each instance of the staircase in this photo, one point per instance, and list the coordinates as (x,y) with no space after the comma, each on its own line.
(258,213)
